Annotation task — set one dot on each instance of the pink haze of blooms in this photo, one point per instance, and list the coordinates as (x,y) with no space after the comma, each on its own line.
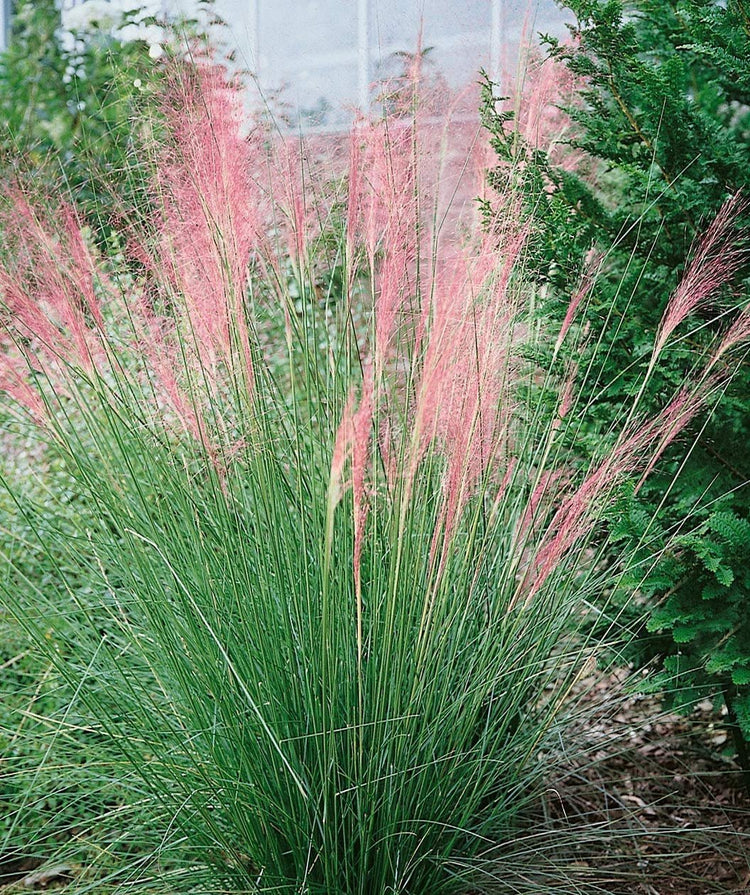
(715,261)
(439,357)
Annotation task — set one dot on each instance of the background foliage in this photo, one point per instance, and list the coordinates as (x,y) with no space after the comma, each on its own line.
(662,117)
(72,114)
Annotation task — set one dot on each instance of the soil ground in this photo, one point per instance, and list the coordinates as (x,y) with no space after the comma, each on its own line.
(658,806)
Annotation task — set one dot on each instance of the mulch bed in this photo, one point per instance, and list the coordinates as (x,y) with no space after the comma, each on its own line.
(657,806)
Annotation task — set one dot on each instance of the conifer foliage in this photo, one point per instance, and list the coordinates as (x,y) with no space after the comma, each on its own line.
(655,139)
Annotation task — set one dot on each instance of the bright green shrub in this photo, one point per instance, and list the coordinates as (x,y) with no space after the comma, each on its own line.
(73,113)
(659,120)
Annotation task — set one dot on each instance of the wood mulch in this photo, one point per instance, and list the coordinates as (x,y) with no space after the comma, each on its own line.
(654,805)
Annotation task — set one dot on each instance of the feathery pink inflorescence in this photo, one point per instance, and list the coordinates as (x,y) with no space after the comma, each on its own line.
(14,380)
(354,186)
(48,292)
(737,335)
(49,285)
(385,212)
(547,85)
(537,98)
(455,308)
(660,432)
(567,396)
(196,265)
(158,344)
(361,429)
(550,488)
(593,262)
(298,200)
(636,452)
(352,445)
(212,214)
(342,450)
(716,260)
(464,397)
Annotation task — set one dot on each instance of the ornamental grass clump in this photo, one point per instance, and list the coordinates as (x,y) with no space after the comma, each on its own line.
(342,551)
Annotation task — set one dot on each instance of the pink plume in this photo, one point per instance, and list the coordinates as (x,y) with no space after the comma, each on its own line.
(716,260)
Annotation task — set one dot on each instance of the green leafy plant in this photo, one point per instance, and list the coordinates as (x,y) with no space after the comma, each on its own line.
(71,109)
(56,775)
(653,139)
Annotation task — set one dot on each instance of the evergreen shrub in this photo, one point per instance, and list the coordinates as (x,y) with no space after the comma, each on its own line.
(657,135)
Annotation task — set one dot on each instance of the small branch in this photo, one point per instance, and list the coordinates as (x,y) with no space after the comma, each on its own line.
(724,462)
(740,743)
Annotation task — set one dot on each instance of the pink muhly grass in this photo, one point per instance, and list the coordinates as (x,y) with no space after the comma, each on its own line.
(550,486)
(341,451)
(352,444)
(737,335)
(30,318)
(588,279)
(566,396)
(382,220)
(302,182)
(361,429)
(50,289)
(547,84)
(537,94)
(289,182)
(54,319)
(158,345)
(82,266)
(395,286)
(14,381)
(406,193)
(298,227)
(572,521)
(388,451)
(196,264)
(390,223)
(714,263)
(674,418)
(637,451)
(464,399)
(211,208)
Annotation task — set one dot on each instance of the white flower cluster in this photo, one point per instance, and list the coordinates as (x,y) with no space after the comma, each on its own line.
(125,21)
